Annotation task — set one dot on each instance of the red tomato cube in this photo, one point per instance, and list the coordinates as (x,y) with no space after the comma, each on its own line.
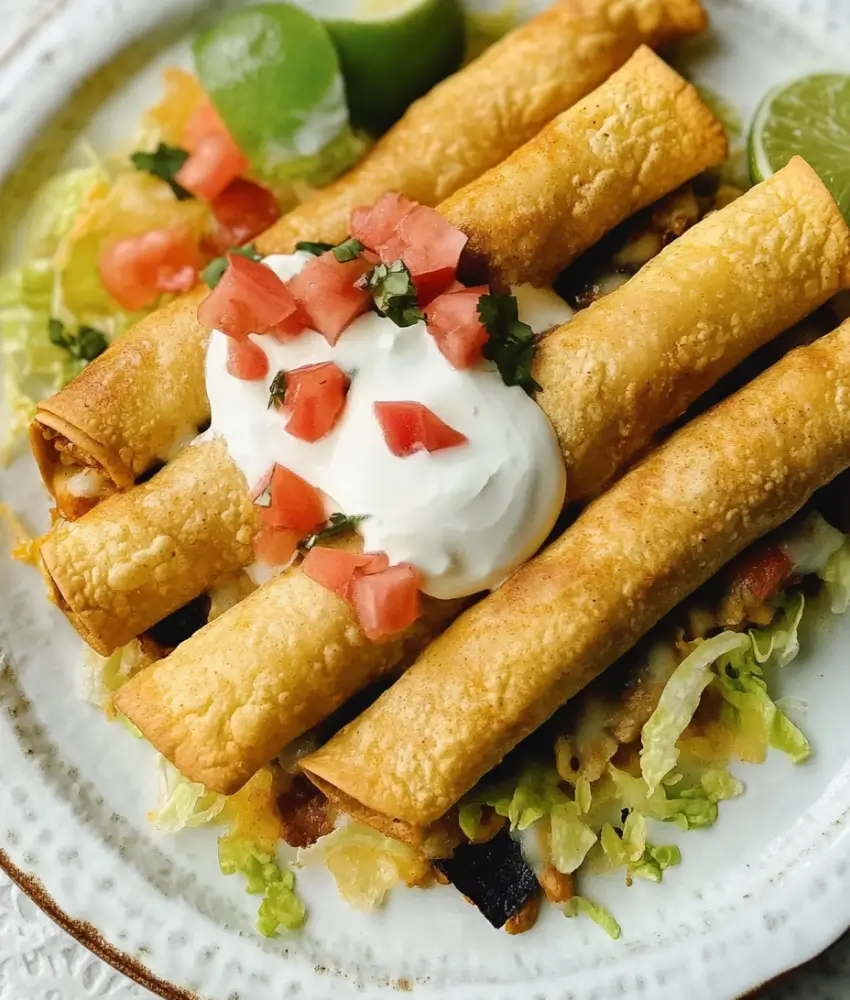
(411,427)
(455,325)
(249,298)
(326,291)
(285,500)
(314,399)
(387,602)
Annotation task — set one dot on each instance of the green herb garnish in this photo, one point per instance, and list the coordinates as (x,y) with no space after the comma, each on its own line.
(338,524)
(212,273)
(314,248)
(85,345)
(277,389)
(349,249)
(393,293)
(164,162)
(511,343)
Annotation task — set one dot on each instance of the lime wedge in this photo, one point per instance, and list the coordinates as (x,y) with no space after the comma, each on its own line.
(273,74)
(393,51)
(809,117)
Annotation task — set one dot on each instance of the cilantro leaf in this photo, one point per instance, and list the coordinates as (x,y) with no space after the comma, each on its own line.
(212,273)
(511,344)
(393,293)
(337,524)
(85,345)
(277,389)
(349,249)
(164,162)
(314,248)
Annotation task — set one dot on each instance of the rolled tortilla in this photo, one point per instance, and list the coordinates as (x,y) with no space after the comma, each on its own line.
(116,570)
(505,665)
(636,359)
(149,700)
(639,129)
(680,130)
(133,406)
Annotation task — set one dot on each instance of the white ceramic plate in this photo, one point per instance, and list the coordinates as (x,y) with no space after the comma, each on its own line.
(762,891)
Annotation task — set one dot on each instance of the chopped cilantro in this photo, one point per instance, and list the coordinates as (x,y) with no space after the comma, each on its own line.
(337,524)
(277,389)
(314,248)
(393,293)
(164,162)
(511,343)
(85,345)
(349,249)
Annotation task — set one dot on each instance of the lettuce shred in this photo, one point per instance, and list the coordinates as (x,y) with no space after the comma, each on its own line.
(598,914)
(536,797)
(679,700)
(281,907)
(182,803)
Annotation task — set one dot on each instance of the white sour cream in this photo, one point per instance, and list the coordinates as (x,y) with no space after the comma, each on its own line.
(465,516)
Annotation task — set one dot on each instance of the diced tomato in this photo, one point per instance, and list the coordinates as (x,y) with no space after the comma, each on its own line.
(243,210)
(431,249)
(203,122)
(295,504)
(275,546)
(249,298)
(376,225)
(762,572)
(411,427)
(314,399)
(397,228)
(215,162)
(245,360)
(214,158)
(335,569)
(387,602)
(136,269)
(326,292)
(455,325)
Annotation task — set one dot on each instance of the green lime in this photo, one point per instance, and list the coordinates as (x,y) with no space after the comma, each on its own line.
(393,51)
(809,117)
(273,74)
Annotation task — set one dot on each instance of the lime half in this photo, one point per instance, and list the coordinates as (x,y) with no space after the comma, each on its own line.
(273,74)
(809,117)
(393,51)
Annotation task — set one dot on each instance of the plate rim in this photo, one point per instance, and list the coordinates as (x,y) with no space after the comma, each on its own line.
(19,64)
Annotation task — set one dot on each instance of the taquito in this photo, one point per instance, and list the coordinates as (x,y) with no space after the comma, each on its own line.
(508,663)
(183,704)
(673,130)
(135,404)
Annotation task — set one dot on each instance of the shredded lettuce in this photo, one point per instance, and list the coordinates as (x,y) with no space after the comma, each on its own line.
(836,577)
(677,704)
(536,797)
(691,807)
(365,863)
(740,680)
(779,641)
(100,677)
(183,803)
(598,914)
(811,543)
(32,364)
(281,906)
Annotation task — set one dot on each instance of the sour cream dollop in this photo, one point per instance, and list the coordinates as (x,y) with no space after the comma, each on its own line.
(467,516)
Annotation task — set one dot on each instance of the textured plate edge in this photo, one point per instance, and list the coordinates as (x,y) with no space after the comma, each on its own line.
(22,59)
(90,937)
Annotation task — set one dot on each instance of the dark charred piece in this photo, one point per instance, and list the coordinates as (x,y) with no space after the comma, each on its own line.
(493,876)
(180,624)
